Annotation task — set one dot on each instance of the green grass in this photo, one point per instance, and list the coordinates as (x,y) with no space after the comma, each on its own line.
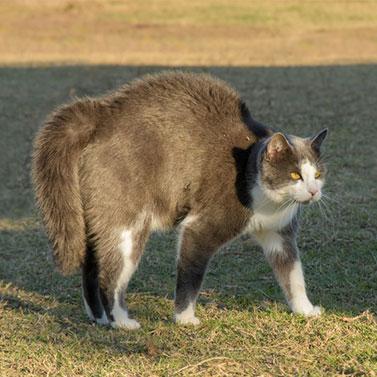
(246,328)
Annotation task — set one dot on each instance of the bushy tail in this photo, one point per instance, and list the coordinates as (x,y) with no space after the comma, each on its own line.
(57,150)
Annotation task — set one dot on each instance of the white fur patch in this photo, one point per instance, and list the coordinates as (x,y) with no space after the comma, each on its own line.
(268,215)
(188,220)
(120,315)
(185,223)
(121,319)
(125,246)
(308,171)
(299,302)
(187,317)
(103,320)
(88,310)
(155,222)
(308,184)
(271,242)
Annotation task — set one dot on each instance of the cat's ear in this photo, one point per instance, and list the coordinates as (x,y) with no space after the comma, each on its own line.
(277,147)
(316,141)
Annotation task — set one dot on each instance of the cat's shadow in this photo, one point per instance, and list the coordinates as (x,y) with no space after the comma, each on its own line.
(237,279)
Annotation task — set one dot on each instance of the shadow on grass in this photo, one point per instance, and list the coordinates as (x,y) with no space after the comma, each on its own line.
(339,246)
(60,325)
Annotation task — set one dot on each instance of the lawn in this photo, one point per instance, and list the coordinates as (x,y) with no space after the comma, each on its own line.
(246,328)
(53,51)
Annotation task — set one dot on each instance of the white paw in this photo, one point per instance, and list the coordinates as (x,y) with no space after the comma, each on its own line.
(126,323)
(306,309)
(187,321)
(315,312)
(187,316)
(88,310)
(103,320)
(100,321)
(121,319)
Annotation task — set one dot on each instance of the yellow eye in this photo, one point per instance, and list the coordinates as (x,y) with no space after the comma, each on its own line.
(317,174)
(295,176)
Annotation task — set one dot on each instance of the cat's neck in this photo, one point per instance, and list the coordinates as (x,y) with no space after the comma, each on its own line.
(262,203)
(268,215)
(261,200)
(253,166)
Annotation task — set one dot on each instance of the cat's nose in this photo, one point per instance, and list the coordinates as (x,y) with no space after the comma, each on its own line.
(313,191)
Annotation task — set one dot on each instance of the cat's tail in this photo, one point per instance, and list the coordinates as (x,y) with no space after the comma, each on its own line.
(57,149)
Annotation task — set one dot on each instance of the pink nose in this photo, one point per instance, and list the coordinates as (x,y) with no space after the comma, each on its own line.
(313,191)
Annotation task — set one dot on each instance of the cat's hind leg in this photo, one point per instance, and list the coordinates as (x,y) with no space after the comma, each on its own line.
(118,259)
(90,288)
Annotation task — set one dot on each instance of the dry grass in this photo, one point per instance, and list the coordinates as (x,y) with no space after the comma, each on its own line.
(171,32)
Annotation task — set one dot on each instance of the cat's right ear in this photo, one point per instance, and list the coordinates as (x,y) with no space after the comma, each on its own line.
(277,147)
(317,140)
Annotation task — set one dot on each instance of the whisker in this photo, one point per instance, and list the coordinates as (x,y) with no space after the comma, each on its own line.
(289,207)
(325,196)
(331,228)
(323,201)
(263,204)
(284,205)
(323,213)
(323,159)
(325,205)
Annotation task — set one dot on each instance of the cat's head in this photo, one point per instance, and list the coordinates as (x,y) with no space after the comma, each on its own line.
(291,168)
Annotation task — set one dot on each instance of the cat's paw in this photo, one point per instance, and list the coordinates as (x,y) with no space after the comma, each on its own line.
(122,320)
(126,323)
(302,305)
(187,320)
(308,310)
(187,316)
(315,312)
(103,321)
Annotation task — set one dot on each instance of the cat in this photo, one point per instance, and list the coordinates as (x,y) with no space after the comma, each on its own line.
(170,150)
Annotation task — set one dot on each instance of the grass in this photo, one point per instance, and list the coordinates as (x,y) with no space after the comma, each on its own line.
(196,32)
(246,328)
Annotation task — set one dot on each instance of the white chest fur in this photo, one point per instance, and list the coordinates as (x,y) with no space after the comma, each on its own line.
(270,219)
(269,216)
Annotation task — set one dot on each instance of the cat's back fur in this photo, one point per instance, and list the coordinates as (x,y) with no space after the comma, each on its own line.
(157,151)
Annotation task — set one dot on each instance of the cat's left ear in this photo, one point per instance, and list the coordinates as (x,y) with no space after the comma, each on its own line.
(316,141)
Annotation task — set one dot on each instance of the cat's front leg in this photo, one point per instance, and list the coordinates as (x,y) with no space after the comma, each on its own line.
(281,252)
(198,242)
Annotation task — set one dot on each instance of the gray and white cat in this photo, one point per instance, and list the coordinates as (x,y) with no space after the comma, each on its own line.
(170,150)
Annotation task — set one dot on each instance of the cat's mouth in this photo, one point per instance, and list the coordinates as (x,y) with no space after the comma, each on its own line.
(311,200)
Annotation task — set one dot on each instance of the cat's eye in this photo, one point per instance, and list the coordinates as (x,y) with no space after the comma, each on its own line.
(295,176)
(317,174)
